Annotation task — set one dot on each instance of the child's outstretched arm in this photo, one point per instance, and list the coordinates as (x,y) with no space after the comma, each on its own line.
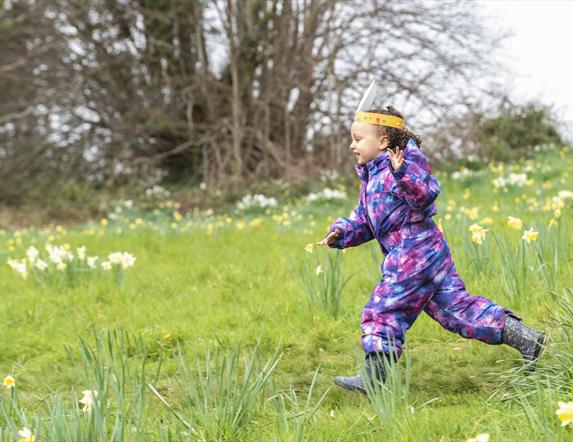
(349,231)
(413,180)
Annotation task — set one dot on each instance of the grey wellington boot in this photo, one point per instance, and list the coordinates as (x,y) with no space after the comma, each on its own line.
(529,342)
(374,368)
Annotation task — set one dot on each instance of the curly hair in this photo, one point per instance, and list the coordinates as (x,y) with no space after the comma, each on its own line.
(398,137)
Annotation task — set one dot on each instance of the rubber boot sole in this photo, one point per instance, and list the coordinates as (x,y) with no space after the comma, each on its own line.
(349,387)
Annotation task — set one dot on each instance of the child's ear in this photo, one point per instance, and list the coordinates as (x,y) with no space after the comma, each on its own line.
(383,141)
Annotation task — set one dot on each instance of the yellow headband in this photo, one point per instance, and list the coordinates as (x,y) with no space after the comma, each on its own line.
(380,119)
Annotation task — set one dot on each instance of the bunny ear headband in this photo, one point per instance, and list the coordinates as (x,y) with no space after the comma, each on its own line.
(368,99)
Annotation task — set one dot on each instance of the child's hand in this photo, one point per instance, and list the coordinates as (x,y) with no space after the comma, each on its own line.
(396,158)
(330,238)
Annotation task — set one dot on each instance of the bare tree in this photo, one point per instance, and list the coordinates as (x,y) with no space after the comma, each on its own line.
(227,91)
(30,78)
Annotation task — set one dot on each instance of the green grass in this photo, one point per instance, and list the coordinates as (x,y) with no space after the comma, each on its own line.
(220,326)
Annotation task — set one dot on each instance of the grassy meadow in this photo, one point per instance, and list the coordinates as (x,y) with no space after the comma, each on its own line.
(229,326)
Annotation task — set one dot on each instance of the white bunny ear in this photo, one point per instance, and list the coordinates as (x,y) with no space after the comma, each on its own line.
(368,97)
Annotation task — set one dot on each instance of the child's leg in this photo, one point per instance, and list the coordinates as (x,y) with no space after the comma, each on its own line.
(411,275)
(388,315)
(473,317)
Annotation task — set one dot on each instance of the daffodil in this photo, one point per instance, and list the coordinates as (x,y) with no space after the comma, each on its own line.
(88,400)
(478,233)
(124,259)
(106,265)
(530,235)
(92,261)
(26,435)
(32,254)
(81,253)
(19,267)
(9,382)
(472,213)
(319,270)
(41,265)
(483,437)
(514,223)
(565,412)
(256,222)
(309,247)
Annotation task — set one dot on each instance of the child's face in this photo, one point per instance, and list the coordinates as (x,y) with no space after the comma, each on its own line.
(367,144)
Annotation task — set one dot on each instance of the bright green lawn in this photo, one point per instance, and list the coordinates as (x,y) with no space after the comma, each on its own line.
(236,287)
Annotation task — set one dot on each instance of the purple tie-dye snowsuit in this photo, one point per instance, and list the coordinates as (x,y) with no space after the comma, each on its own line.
(418,272)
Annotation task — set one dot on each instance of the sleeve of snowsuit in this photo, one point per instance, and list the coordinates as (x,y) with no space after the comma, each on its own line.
(354,230)
(414,181)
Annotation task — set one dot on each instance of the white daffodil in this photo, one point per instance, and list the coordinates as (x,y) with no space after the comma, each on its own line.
(124,259)
(32,253)
(530,235)
(19,267)
(106,265)
(565,413)
(88,400)
(92,261)
(26,435)
(81,251)
(41,265)
(483,437)
(9,382)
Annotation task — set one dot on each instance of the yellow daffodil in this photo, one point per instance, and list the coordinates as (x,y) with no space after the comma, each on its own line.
(472,213)
(478,233)
(9,382)
(565,412)
(26,435)
(309,247)
(530,235)
(256,222)
(514,223)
